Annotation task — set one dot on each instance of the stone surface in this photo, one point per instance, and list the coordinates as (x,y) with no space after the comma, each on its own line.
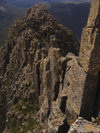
(46,85)
(89,51)
(83,126)
(32,65)
(89,59)
(73,87)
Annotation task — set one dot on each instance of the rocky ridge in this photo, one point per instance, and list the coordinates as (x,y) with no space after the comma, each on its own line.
(46,86)
(32,69)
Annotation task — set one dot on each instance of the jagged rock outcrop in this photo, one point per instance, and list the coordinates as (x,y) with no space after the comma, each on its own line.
(84,92)
(83,126)
(32,68)
(83,72)
(89,59)
(46,84)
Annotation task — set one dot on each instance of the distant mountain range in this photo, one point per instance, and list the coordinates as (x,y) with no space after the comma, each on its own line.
(29,3)
(2,6)
(7,15)
(73,16)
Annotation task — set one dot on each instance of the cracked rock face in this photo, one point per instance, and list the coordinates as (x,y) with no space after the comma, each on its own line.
(89,51)
(88,85)
(82,75)
(46,84)
(89,59)
(32,68)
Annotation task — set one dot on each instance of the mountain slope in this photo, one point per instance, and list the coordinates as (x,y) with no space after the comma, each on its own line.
(71,15)
(29,77)
(46,83)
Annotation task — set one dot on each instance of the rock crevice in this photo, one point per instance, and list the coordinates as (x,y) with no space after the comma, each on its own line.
(47,81)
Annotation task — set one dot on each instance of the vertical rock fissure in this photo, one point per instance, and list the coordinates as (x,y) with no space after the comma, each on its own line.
(64,128)
(63,104)
(89,95)
(97,99)
(64,72)
(38,76)
(56,90)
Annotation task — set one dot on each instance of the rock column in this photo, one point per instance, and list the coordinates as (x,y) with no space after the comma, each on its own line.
(89,59)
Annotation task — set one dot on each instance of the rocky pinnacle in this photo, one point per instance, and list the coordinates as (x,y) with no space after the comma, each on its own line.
(89,59)
(89,56)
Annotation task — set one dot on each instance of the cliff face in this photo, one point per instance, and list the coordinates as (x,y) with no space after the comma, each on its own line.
(83,90)
(32,69)
(45,86)
(89,64)
(89,59)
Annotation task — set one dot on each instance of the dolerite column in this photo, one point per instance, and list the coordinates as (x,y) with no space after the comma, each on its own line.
(89,59)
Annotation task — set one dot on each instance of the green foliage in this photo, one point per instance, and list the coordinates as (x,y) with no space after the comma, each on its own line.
(31,124)
(2,126)
(28,107)
(16,126)
(23,125)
